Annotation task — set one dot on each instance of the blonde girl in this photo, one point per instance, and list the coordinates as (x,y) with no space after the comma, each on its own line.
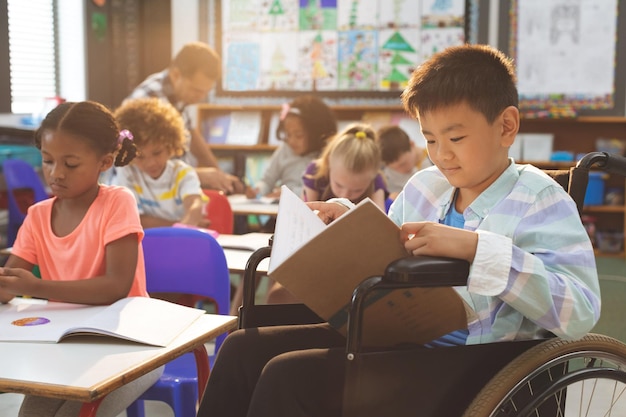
(349,167)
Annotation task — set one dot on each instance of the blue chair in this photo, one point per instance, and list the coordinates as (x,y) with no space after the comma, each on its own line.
(183,261)
(19,175)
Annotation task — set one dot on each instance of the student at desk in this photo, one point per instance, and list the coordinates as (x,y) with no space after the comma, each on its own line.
(167,189)
(86,239)
(305,125)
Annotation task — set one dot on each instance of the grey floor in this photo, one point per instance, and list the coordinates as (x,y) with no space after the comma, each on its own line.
(10,404)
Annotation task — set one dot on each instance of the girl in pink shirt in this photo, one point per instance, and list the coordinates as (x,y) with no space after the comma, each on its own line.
(86,239)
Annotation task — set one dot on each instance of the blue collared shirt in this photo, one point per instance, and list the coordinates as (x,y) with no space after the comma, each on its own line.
(534,271)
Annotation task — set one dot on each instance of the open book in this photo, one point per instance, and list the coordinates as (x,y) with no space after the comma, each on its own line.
(322,264)
(139,319)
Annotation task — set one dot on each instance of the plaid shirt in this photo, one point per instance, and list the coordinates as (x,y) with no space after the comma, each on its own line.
(534,272)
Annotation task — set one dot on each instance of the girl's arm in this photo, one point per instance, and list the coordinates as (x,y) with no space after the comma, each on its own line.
(114,284)
(378,197)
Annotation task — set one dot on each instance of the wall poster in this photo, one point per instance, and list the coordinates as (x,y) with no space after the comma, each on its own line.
(366,46)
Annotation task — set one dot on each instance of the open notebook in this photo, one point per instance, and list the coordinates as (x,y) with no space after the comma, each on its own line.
(139,319)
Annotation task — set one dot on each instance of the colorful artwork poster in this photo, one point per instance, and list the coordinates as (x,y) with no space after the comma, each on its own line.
(325,45)
(242,65)
(239,15)
(358,60)
(318,14)
(357,14)
(399,14)
(398,52)
(278,15)
(279,61)
(443,13)
(317,60)
(260,15)
(436,40)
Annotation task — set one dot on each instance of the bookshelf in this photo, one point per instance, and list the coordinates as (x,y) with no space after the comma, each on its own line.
(577,135)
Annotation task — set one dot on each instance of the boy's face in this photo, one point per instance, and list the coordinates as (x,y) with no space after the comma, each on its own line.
(469,151)
(151,159)
(406,162)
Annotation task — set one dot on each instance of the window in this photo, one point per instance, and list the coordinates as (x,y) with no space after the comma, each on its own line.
(32,54)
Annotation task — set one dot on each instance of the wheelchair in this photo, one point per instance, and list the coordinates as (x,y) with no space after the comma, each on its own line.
(545,377)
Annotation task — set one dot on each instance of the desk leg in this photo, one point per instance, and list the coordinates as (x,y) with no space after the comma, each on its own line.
(202,365)
(90,409)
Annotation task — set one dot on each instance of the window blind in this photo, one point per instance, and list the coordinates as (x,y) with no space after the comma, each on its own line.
(32,54)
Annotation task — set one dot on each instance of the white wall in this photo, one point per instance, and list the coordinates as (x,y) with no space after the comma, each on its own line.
(72,54)
(185,23)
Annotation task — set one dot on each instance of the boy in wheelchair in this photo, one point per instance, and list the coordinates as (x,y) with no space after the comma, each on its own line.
(532,266)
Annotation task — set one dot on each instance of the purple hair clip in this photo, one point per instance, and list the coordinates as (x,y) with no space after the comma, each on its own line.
(124,134)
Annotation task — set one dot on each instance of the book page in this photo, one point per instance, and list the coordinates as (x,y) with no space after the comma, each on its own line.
(294,228)
(140,319)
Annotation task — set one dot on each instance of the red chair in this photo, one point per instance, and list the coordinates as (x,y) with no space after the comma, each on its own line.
(219,212)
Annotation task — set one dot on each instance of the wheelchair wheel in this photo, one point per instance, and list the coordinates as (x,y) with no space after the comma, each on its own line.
(559,378)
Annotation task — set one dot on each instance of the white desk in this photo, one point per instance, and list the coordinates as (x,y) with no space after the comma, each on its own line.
(238,249)
(87,368)
(241,205)
(236,260)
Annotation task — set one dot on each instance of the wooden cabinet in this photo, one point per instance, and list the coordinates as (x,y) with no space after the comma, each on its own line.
(574,135)
(579,137)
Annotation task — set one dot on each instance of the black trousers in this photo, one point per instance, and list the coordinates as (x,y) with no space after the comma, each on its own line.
(277,371)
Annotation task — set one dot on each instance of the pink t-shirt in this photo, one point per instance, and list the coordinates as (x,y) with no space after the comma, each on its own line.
(81,254)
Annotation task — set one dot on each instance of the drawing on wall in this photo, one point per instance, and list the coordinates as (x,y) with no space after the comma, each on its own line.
(279,63)
(242,67)
(328,45)
(398,57)
(563,56)
(317,60)
(358,60)
(318,14)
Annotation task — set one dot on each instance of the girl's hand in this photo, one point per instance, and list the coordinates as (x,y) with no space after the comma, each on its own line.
(434,239)
(252,192)
(327,211)
(16,281)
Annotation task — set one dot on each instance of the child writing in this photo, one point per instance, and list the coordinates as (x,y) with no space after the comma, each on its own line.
(349,167)
(167,189)
(86,239)
(305,125)
(400,157)
(476,204)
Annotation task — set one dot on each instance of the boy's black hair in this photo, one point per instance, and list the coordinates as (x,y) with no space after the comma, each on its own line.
(91,122)
(479,75)
(317,118)
(393,142)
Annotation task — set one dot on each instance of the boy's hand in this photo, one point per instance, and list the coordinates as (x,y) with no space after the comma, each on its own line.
(434,239)
(16,281)
(327,211)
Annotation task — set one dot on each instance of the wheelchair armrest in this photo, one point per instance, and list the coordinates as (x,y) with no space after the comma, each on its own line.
(412,271)
(427,271)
